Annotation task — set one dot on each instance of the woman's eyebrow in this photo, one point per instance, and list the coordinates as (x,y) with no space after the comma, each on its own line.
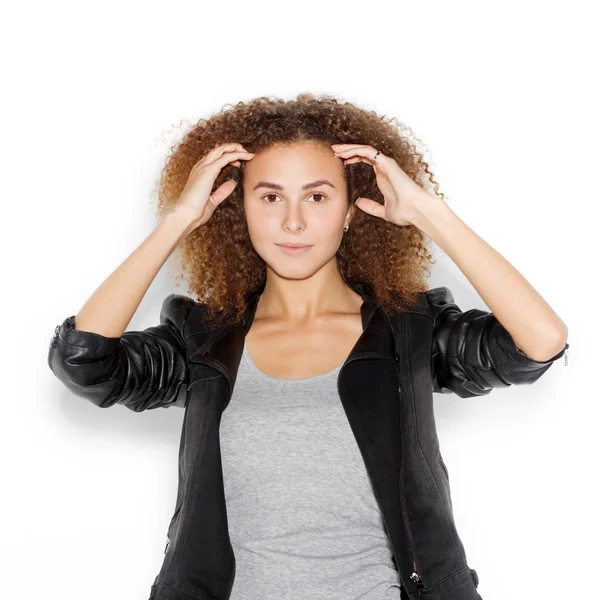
(306,186)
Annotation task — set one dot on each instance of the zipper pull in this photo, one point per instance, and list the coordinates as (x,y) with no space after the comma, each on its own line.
(415,577)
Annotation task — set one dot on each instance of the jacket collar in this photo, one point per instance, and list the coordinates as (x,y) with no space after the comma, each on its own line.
(376,339)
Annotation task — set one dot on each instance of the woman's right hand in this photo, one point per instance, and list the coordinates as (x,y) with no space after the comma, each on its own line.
(196,201)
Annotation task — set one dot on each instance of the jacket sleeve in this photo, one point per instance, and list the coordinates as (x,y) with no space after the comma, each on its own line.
(472,352)
(141,369)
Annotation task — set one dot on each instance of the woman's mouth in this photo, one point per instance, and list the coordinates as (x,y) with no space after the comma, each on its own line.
(294,250)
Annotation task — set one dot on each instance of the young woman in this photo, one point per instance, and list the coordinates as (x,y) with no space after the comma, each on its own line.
(309,462)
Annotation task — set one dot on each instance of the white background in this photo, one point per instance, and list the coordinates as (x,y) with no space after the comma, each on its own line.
(504,95)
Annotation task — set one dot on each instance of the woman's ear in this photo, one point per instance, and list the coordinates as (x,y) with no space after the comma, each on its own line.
(351,211)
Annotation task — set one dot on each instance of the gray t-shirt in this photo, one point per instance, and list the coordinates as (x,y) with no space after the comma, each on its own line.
(302,515)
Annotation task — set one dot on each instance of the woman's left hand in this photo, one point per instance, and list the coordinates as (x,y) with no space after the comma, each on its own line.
(401,194)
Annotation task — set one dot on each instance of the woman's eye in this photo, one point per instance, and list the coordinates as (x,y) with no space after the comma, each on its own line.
(267,196)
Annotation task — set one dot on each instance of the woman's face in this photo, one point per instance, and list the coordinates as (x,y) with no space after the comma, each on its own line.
(296,194)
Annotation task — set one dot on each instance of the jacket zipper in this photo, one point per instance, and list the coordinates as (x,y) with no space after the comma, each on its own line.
(411,544)
(415,577)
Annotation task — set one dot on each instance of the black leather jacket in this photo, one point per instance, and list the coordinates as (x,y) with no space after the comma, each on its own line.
(385,387)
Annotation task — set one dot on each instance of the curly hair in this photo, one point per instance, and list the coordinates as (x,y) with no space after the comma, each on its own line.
(388,262)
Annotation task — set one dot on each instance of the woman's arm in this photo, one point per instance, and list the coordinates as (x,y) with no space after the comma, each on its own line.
(111,307)
(535,328)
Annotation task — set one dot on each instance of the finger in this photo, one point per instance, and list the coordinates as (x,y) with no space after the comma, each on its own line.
(366,154)
(337,147)
(355,159)
(371,207)
(366,151)
(222,192)
(219,151)
(227,157)
(358,159)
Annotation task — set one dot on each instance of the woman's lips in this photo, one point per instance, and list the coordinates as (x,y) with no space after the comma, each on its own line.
(294,251)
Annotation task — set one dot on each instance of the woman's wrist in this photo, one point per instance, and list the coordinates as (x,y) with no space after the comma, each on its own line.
(179,222)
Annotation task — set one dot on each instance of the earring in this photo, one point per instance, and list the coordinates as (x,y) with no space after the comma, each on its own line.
(346,227)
